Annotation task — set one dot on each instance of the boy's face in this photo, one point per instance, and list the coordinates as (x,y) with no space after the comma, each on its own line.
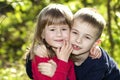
(56,34)
(83,36)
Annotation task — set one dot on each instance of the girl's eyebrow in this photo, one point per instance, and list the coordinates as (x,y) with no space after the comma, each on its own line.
(64,26)
(51,26)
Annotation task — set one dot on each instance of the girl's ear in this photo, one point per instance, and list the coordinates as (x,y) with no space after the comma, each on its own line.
(43,34)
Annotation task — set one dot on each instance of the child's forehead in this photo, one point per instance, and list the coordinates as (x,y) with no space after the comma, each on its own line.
(81,24)
(58,25)
(56,21)
(85,29)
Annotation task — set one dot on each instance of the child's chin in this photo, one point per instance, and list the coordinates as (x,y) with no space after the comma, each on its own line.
(75,52)
(58,46)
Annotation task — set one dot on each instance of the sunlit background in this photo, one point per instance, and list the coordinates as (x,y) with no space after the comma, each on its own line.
(17,20)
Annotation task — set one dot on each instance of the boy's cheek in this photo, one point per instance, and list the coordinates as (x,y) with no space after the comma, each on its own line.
(72,38)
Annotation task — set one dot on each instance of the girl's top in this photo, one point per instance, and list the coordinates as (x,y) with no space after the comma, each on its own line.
(64,70)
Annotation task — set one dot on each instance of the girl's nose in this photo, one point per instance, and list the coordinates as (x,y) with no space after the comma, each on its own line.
(59,33)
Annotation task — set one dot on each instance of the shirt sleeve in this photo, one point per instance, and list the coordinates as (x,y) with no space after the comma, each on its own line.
(64,71)
(36,73)
(71,72)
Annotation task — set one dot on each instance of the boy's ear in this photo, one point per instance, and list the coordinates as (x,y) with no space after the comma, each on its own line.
(97,42)
(43,34)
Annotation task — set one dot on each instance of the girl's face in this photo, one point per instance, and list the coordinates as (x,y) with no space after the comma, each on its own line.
(83,36)
(56,34)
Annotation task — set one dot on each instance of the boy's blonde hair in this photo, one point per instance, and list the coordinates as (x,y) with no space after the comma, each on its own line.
(52,14)
(91,16)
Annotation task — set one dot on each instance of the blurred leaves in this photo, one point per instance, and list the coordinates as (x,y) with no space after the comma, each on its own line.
(17,21)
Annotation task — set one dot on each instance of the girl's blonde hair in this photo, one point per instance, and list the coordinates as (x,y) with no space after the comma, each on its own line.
(52,14)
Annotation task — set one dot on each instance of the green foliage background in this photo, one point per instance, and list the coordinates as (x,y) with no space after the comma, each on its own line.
(17,20)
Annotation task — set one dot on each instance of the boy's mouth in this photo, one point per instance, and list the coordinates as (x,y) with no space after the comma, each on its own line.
(75,47)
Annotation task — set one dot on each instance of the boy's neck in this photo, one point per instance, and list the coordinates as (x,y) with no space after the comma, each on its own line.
(81,59)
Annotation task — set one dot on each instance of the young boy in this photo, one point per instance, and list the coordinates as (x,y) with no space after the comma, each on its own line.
(86,30)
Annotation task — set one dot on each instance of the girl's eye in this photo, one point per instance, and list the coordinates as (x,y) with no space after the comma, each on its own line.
(52,29)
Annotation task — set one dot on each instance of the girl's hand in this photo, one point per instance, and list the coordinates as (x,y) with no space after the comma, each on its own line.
(41,51)
(64,52)
(48,68)
(95,52)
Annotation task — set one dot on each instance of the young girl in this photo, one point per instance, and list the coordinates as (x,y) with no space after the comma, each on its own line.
(52,32)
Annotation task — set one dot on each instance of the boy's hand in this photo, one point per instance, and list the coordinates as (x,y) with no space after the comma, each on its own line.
(95,52)
(64,52)
(41,51)
(47,69)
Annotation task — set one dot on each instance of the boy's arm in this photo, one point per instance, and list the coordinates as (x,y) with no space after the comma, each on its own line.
(29,67)
(41,51)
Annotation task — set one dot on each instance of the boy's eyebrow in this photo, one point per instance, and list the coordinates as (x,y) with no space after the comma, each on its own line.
(78,31)
(74,29)
(89,35)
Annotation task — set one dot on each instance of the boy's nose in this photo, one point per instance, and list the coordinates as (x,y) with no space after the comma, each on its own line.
(79,40)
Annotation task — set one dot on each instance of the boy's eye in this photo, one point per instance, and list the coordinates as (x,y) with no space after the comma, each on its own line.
(88,37)
(64,29)
(74,32)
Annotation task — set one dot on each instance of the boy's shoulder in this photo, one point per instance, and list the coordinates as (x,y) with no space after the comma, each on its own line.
(105,56)
(105,60)
(113,72)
